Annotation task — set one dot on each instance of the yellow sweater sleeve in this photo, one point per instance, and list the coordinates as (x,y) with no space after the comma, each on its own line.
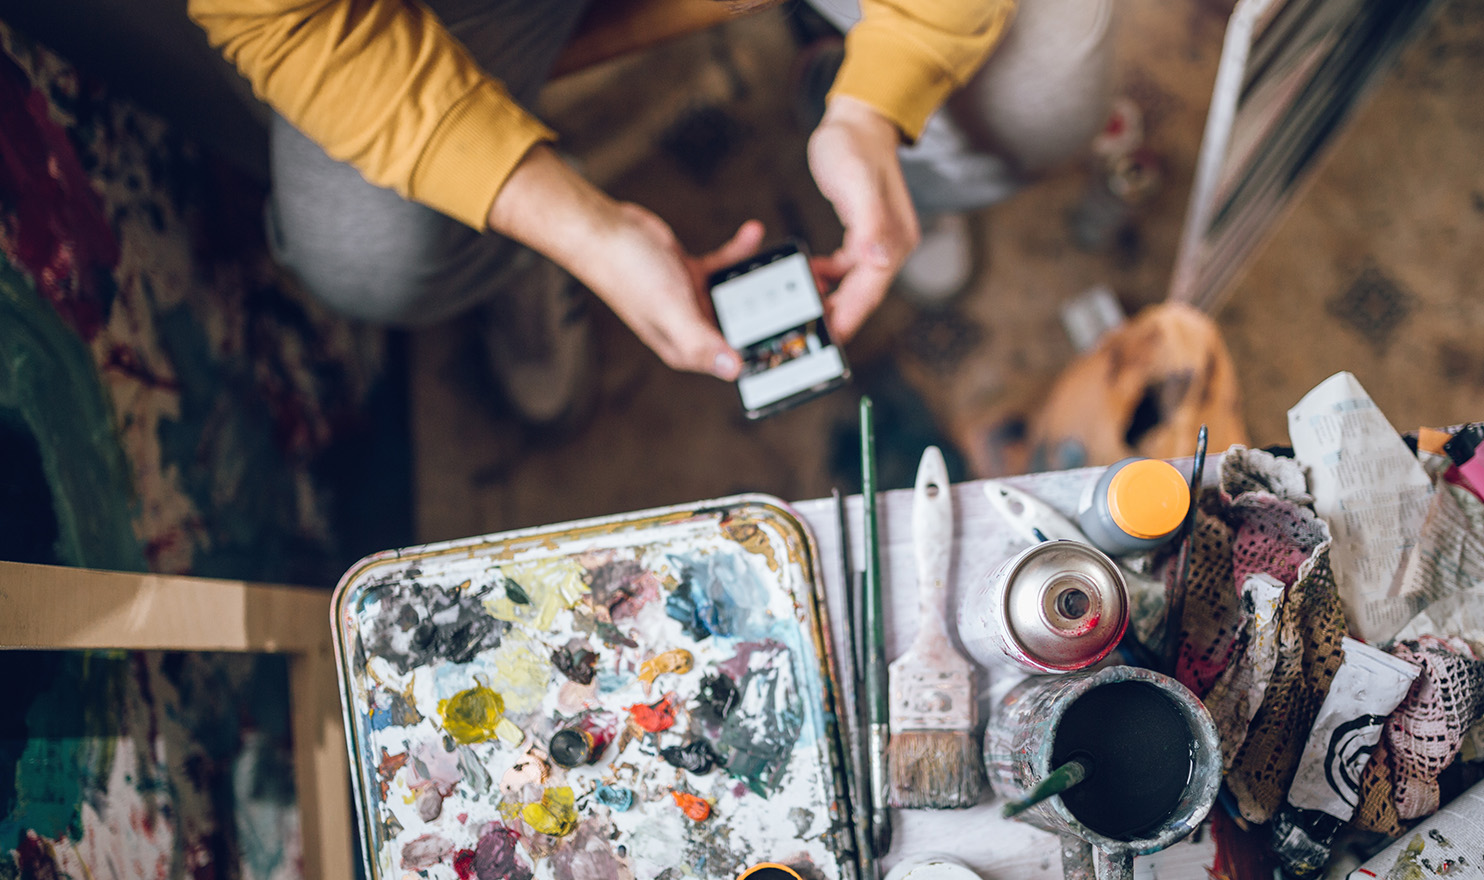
(383,86)
(904,57)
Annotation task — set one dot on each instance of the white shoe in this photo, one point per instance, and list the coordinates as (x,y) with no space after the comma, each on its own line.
(538,338)
(941,266)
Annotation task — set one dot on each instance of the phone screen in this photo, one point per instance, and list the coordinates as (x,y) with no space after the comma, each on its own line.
(772,315)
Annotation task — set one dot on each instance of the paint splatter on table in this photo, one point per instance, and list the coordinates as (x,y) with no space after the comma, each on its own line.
(640,696)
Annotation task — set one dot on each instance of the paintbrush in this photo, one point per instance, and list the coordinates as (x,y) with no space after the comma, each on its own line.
(875,649)
(1056,782)
(932,759)
(856,773)
(1175,602)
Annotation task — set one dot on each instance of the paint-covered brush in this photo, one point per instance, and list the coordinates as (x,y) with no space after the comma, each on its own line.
(933,760)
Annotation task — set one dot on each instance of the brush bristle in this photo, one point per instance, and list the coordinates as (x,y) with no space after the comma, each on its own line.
(933,769)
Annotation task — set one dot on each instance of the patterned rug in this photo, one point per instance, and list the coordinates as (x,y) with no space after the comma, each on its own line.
(177,392)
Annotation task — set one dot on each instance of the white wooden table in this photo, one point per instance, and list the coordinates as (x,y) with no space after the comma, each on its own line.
(997,848)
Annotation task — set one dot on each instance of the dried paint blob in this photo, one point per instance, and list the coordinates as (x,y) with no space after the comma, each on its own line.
(718,696)
(678,661)
(529,769)
(429,804)
(694,807)
(515,593)
(681,606)
(420,624)
(575,662)
(425,851)
(478,715)
(555,815)
(656,716)
(495,855)
(697,756)
(614,797)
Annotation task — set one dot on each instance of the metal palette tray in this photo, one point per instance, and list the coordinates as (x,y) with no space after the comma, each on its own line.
(460,661)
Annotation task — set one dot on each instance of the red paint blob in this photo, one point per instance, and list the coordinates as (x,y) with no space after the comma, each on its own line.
(463,863)
(656,717)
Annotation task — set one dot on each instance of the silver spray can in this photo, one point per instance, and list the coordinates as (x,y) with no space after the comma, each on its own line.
(1058,606)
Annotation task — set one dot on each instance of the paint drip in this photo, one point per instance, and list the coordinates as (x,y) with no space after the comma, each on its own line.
(614,797)
(697,756)
(478,715)
(655,717)
(555,815)
(696,808)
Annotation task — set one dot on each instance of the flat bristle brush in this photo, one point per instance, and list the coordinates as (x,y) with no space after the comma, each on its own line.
(932,759)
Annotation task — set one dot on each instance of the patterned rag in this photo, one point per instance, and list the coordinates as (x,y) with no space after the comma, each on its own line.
(1423,735)
(1263,529)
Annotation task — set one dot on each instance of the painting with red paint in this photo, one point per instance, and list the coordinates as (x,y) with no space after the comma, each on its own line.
(631,697)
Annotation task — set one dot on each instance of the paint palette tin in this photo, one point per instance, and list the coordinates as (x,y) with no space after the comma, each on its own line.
(676,657)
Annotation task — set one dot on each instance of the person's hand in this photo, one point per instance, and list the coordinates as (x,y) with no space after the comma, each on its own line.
(628,256)
(853,156)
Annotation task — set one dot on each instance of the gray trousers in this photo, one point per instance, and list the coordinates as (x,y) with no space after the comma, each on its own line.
(372,255)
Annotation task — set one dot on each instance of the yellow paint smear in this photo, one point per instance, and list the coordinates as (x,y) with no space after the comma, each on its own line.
(555,815)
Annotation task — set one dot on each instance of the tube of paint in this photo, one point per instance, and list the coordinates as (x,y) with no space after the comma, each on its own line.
(1135,506)
(1325,789)
(1462,448)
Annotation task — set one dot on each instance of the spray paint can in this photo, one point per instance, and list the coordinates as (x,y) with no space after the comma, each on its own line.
(1135,506)
(934,867)
(1057,606)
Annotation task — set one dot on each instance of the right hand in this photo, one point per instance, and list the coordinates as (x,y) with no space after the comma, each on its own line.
(626,255)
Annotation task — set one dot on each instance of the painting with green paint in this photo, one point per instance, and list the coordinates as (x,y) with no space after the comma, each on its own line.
(146,765)
(639,696)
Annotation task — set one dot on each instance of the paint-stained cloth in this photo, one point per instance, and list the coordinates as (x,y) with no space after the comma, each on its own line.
(1259,524)
(1423,735)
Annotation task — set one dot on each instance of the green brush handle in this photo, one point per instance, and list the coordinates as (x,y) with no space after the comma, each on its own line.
(1058,781)
(876,683)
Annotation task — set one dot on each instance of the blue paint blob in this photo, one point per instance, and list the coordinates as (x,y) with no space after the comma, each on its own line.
(730,599)
(614,797)
(682,607)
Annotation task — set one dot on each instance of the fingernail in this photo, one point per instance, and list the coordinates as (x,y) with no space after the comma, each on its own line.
(878,254)
(725,366)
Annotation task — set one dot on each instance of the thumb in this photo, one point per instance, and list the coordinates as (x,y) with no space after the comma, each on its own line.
(743,244)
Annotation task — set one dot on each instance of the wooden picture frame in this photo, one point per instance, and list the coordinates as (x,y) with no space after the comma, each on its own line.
(45,607)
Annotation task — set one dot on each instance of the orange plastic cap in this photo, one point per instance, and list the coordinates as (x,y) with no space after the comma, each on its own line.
(1148,498)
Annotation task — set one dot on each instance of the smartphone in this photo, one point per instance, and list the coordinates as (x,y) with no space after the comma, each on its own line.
(769,310)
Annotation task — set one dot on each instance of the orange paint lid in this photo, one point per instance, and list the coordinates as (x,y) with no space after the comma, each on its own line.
(1148,498)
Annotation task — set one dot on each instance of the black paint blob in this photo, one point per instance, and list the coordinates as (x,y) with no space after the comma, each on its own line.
(696,756)
(718,696)
(578,664)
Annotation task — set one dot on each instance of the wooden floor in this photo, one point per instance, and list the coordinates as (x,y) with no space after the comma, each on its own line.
(1375,270)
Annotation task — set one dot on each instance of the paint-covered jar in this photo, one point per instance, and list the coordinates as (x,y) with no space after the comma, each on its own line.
(1135,506)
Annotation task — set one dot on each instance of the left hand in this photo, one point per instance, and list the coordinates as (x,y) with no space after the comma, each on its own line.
(853,156)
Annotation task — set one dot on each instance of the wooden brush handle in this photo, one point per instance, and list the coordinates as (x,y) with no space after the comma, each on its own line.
(932,542)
